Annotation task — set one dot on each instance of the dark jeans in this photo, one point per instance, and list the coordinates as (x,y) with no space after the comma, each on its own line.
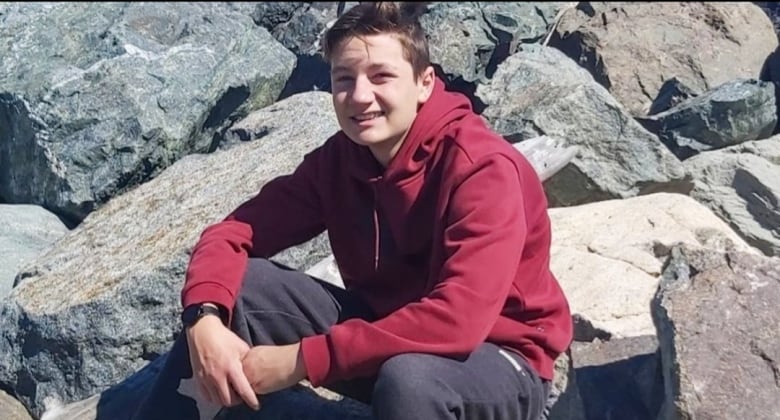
(278,305)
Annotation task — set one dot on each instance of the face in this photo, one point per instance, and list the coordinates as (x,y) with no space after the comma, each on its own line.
(375,94)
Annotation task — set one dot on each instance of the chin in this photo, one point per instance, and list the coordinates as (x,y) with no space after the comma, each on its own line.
(366,140)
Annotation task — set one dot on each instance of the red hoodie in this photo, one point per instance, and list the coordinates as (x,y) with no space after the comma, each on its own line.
(450,245)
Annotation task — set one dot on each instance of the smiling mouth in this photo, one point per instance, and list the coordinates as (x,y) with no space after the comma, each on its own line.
(367,116)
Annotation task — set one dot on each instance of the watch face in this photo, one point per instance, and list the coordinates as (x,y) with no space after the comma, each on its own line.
(193,313)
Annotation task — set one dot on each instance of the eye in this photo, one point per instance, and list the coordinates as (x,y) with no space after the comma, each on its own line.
(383,76)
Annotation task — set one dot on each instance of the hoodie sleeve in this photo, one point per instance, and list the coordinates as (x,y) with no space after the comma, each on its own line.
(483,243)
(286,212)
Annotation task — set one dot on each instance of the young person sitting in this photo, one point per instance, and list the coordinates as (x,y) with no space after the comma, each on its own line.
(440,231)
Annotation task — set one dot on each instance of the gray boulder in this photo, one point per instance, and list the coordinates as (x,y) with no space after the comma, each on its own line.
(732,113)
(470,39)
(741,185)
(299,26)
(25,232)
(717,334)
(540,91)
(104,301)
(96,98)
(671,93)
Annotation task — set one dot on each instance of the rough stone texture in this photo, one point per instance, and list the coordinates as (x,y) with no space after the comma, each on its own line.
(717,328)
(672,93)
(96,98)
(619,379)
(299,26)
(741,184)
(25,231)
(468,40)
(729,114)
(632,49)
(11,409)
(609,255)
(564,401)
(539,91)
(105,300)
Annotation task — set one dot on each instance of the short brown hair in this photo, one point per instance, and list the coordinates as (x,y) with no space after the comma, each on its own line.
(373,18)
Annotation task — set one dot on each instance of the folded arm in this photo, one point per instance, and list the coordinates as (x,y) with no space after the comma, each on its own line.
(483,241)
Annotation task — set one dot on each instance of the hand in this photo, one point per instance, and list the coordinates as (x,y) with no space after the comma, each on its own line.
(273,368)
(215,356)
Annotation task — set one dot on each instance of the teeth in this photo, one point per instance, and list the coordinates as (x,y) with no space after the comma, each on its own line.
(366,117)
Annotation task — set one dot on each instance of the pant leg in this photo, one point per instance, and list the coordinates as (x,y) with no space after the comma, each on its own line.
(492,384)
(276,305)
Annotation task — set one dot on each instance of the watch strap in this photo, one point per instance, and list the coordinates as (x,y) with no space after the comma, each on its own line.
(194,313)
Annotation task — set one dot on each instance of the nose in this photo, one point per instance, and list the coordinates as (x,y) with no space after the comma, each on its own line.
(362,92)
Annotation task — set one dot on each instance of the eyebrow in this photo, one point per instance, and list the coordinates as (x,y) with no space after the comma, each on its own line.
(377,66)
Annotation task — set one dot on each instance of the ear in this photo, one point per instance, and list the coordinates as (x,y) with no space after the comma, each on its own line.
(425,84)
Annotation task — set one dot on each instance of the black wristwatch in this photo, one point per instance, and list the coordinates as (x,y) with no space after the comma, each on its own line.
(191,314)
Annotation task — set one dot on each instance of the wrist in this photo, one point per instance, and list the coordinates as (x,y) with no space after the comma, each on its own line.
(194,314)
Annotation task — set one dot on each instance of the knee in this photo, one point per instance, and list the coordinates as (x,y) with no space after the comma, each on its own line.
(262,283)
(406,379)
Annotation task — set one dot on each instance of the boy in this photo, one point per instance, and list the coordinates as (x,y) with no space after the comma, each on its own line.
(441,235)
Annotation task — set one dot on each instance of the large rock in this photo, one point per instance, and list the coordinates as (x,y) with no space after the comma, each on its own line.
(539,91)
(96,98)
(741,184)
(25,232)
(105,300)
(468,40)
(619,379)
(564,401)
(717,328)
(732,113)
(608,257)
(633,48)
(11,409)
(299,26)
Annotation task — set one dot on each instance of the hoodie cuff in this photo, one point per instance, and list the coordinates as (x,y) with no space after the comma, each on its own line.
(210,293)
(316,358)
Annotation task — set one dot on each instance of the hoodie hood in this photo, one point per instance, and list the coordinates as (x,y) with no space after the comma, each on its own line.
(425,134)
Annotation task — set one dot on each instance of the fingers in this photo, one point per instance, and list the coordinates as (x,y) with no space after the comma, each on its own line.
(222,392)
(206,392)
(242,387)
(235,399)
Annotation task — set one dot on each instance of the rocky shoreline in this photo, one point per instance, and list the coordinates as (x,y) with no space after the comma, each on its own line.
(125,129)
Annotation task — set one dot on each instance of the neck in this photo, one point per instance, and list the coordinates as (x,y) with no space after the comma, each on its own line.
(385,152)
